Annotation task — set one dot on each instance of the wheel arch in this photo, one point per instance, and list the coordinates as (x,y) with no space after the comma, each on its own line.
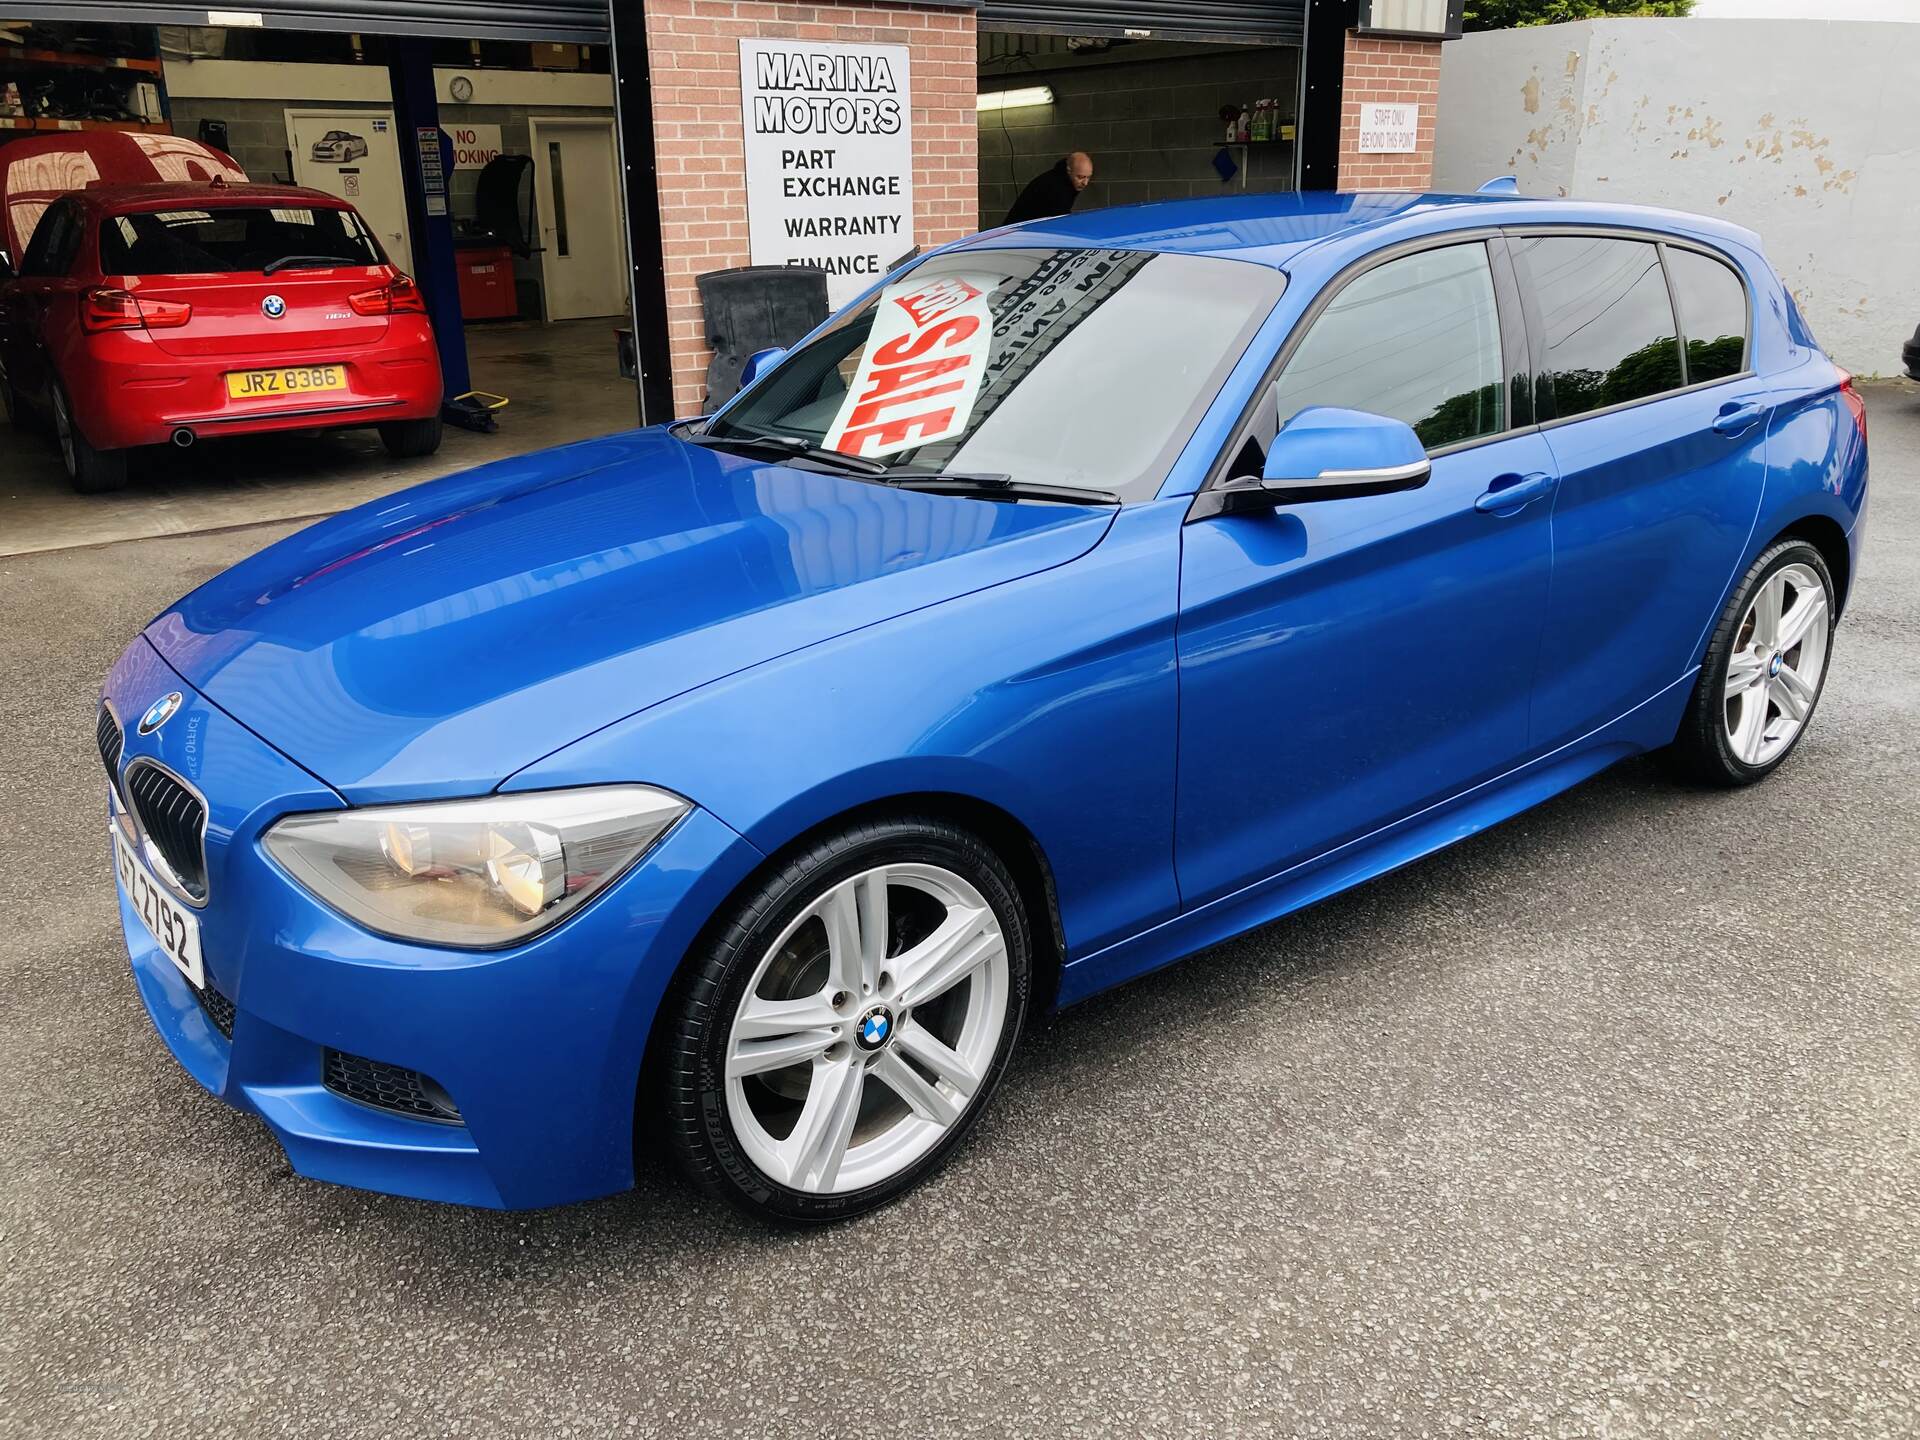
(1825,535)
(1009,837)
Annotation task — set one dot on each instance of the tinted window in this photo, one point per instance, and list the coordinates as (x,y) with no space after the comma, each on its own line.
(1713,313)
(50,251)
(1416,339)
(1608,321)
(230,239)
(1087,368)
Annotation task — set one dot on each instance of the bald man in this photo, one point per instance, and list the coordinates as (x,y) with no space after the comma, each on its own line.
(1054,192)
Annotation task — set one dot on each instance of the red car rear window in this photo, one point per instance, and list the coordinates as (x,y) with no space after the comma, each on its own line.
(232,239)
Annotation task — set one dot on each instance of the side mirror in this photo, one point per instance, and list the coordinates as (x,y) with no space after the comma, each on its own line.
(1325,453)
(758,364)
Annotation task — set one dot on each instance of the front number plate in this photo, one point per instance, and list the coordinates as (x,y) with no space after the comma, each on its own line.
(300,380)
(170,923)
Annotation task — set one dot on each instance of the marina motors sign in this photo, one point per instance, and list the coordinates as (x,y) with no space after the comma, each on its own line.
(829,151)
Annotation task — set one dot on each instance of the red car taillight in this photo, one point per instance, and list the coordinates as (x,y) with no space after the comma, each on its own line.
(1854,403)
(401,297)
(122,310)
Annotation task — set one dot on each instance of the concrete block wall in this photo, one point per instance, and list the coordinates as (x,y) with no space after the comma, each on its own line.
(700,139)
(1152,126)
(1698,115)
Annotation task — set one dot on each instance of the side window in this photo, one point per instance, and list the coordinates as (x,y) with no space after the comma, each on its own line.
(1713,314)
(50,248)
(1417,339)
(1609,325)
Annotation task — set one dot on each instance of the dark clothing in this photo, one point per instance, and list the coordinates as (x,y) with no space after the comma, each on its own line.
(1046,195)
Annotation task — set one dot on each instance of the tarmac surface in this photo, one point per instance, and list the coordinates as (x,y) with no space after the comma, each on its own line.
(1606,1122)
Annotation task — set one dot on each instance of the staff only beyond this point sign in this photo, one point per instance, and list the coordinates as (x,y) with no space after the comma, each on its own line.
(829,150)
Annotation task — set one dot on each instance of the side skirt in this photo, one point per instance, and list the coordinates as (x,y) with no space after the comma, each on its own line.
(1648,726)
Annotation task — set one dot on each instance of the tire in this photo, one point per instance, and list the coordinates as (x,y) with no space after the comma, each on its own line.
(406,439)
(1730,740)
(774,938)
(90,471)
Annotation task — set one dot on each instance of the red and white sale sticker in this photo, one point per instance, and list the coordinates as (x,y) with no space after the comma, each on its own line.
(920,375)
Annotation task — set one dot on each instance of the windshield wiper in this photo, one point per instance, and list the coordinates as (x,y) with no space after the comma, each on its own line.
(997,487)
(304,262)
(792,445)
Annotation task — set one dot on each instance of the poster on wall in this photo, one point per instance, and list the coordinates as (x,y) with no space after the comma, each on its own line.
(829,152)
(474,146)
(1389,129)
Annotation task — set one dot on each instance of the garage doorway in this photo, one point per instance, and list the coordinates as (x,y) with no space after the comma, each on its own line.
(582,233)
(1162,118)
(354,154)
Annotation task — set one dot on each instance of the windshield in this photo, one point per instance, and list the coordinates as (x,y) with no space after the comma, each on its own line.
(1082,368)
(230,239)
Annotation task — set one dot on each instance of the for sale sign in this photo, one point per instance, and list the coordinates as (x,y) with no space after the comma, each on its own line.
(919,378)
(829,152)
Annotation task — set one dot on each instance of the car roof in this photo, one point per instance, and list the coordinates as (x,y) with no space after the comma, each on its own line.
(1274,229)
(199,195)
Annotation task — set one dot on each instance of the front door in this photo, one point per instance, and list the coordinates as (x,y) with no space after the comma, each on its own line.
(355,154)
(577,188)
(1346,663)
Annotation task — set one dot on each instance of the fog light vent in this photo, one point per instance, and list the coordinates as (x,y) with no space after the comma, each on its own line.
(389,1087)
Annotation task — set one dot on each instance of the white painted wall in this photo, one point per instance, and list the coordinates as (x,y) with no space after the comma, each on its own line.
(1800,130)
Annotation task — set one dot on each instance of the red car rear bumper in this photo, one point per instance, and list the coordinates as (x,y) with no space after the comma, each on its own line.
(126,391)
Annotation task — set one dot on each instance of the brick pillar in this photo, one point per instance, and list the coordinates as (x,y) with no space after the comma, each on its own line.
(695,52)
(1405,72)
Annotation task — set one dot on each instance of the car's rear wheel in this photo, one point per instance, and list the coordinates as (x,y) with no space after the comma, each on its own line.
(843,1028)
(1764,671)
(406,439)
(91,471)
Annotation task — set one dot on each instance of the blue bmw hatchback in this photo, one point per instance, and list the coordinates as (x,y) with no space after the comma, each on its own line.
(1087,593)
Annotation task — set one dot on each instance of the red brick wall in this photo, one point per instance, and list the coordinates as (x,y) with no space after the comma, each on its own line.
(698,133)
(1405,72)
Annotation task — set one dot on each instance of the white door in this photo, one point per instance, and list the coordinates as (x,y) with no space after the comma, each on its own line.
(583,258)
(355,154)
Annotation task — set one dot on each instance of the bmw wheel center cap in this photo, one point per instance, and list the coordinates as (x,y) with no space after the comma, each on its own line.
(159,712)
(273,307)
(876,1028)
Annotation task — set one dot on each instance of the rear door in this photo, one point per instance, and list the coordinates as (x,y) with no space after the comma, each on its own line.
(1659,433)
(1346,663)
(41,300)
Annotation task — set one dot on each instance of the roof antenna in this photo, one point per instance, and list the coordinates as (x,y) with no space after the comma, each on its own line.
(1500,185)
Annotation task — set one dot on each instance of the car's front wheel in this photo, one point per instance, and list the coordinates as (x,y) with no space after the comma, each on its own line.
(847,1020)
(90,471)
(1764,670)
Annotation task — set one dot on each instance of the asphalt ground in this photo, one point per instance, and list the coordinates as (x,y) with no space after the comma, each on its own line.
(1602,1123)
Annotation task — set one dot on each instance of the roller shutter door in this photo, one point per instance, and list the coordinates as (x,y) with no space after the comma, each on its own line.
(1249,21)
(580,21)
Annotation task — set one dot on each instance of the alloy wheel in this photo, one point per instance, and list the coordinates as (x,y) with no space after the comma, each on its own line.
(868,1029)
(1778,662)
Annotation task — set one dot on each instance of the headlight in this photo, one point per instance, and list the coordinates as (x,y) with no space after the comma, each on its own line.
(473,873)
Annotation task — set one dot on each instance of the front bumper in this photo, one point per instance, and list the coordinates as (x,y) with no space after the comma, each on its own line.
(539,1046)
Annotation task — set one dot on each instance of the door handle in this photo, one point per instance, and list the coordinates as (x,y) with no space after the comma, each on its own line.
(1737,417)
(1509,493)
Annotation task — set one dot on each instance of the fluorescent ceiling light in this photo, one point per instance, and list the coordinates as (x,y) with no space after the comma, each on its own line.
(1015,99)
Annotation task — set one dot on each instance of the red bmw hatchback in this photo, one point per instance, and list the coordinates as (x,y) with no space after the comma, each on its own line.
(156,314)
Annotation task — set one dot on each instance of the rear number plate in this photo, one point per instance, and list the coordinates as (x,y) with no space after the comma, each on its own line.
(170,923)
(299,380)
